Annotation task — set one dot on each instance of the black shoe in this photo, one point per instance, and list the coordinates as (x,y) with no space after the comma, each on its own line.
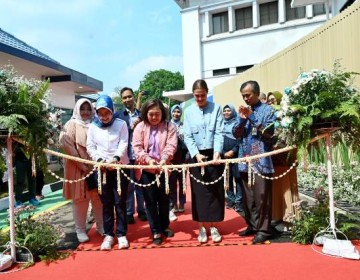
(247,232)
(168,232)
(157,240)
(130,219)
(142,216)
(181,208)
(238,209)
(229,205)
(260,239)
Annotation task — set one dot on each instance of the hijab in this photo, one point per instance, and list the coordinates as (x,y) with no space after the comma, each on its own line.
(104,101)
(230,122)
(176,106)
(76,116)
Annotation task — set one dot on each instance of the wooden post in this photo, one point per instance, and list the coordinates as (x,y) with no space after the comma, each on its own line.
(11,198)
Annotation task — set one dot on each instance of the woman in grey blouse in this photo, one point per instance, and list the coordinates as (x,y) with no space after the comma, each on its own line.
(203,136)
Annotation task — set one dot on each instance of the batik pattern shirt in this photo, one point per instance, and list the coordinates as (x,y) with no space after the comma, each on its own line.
(255,134)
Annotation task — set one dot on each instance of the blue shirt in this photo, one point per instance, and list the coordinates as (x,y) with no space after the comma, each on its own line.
(203,128)
(255,134)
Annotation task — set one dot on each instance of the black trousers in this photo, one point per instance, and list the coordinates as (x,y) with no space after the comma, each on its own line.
(257,203)
(157,203)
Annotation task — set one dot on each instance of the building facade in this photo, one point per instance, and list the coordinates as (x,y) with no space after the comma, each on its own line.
(224,38)
(65,83)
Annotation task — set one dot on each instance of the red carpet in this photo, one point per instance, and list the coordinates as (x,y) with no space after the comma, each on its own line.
(263,262)
(183,258)
(185,230)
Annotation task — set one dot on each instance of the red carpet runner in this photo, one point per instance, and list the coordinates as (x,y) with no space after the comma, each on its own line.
(185,230)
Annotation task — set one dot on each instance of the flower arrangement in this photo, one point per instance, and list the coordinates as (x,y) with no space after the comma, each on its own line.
(316,97)
(25,112)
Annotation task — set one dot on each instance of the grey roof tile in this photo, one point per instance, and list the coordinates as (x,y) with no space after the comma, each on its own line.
(12,41)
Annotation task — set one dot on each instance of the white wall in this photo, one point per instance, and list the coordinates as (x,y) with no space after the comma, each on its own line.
(61,97)
(191,47)
(203,53)
(251,48)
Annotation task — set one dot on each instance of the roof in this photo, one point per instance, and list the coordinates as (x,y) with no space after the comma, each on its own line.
(10,40)
(37,62)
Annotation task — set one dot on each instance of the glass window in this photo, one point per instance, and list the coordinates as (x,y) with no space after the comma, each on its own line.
(319,9)
(294,13)
(243,68)
(268,13)
(243,18)
(220,72)
(220,22)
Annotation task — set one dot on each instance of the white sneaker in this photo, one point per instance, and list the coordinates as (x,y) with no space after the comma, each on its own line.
(215,235)
(107,243)
(202,238)
(82,237)
(172,216)
(123,242)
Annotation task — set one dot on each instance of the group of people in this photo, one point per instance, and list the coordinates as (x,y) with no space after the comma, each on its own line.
(148,137)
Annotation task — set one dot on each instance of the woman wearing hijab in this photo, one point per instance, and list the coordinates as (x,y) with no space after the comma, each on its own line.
(154,143)
(176,178)
(73,141)
(230,150)
(107,142)
(203,134)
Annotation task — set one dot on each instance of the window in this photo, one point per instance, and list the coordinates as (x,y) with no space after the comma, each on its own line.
(243,18)
(294,13)
(220,72)
(243,68)
(220,22)
(268,13)
(319,9)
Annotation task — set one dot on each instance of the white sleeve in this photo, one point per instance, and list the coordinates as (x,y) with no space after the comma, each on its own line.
(122,148)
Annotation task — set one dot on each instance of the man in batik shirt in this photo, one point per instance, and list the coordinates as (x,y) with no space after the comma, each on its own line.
(255,128)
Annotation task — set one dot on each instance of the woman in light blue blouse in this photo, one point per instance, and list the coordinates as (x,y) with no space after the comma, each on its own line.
(203,136)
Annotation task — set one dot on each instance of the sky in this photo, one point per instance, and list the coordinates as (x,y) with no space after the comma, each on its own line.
(114,41)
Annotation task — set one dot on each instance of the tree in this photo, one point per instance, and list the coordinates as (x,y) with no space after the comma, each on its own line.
(157,81)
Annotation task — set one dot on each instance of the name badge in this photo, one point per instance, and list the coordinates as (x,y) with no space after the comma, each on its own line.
(254,131)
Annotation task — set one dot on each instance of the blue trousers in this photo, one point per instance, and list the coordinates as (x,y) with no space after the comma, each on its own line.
(234,196)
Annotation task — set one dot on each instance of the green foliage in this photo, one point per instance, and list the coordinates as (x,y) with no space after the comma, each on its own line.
(39,235)
(314,218)
(161,80)
(25,111)
(320,97)
(346,182)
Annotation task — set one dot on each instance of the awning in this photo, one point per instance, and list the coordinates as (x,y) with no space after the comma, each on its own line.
(179,95)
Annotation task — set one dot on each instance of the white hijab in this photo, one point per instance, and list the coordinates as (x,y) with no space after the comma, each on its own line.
(76,112)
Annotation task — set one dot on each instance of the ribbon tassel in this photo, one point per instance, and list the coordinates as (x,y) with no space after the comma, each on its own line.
(167,189)
(99,179)
(183,170)
(118,179)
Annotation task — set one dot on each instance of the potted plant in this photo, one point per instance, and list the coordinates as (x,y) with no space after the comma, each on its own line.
(320,98)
